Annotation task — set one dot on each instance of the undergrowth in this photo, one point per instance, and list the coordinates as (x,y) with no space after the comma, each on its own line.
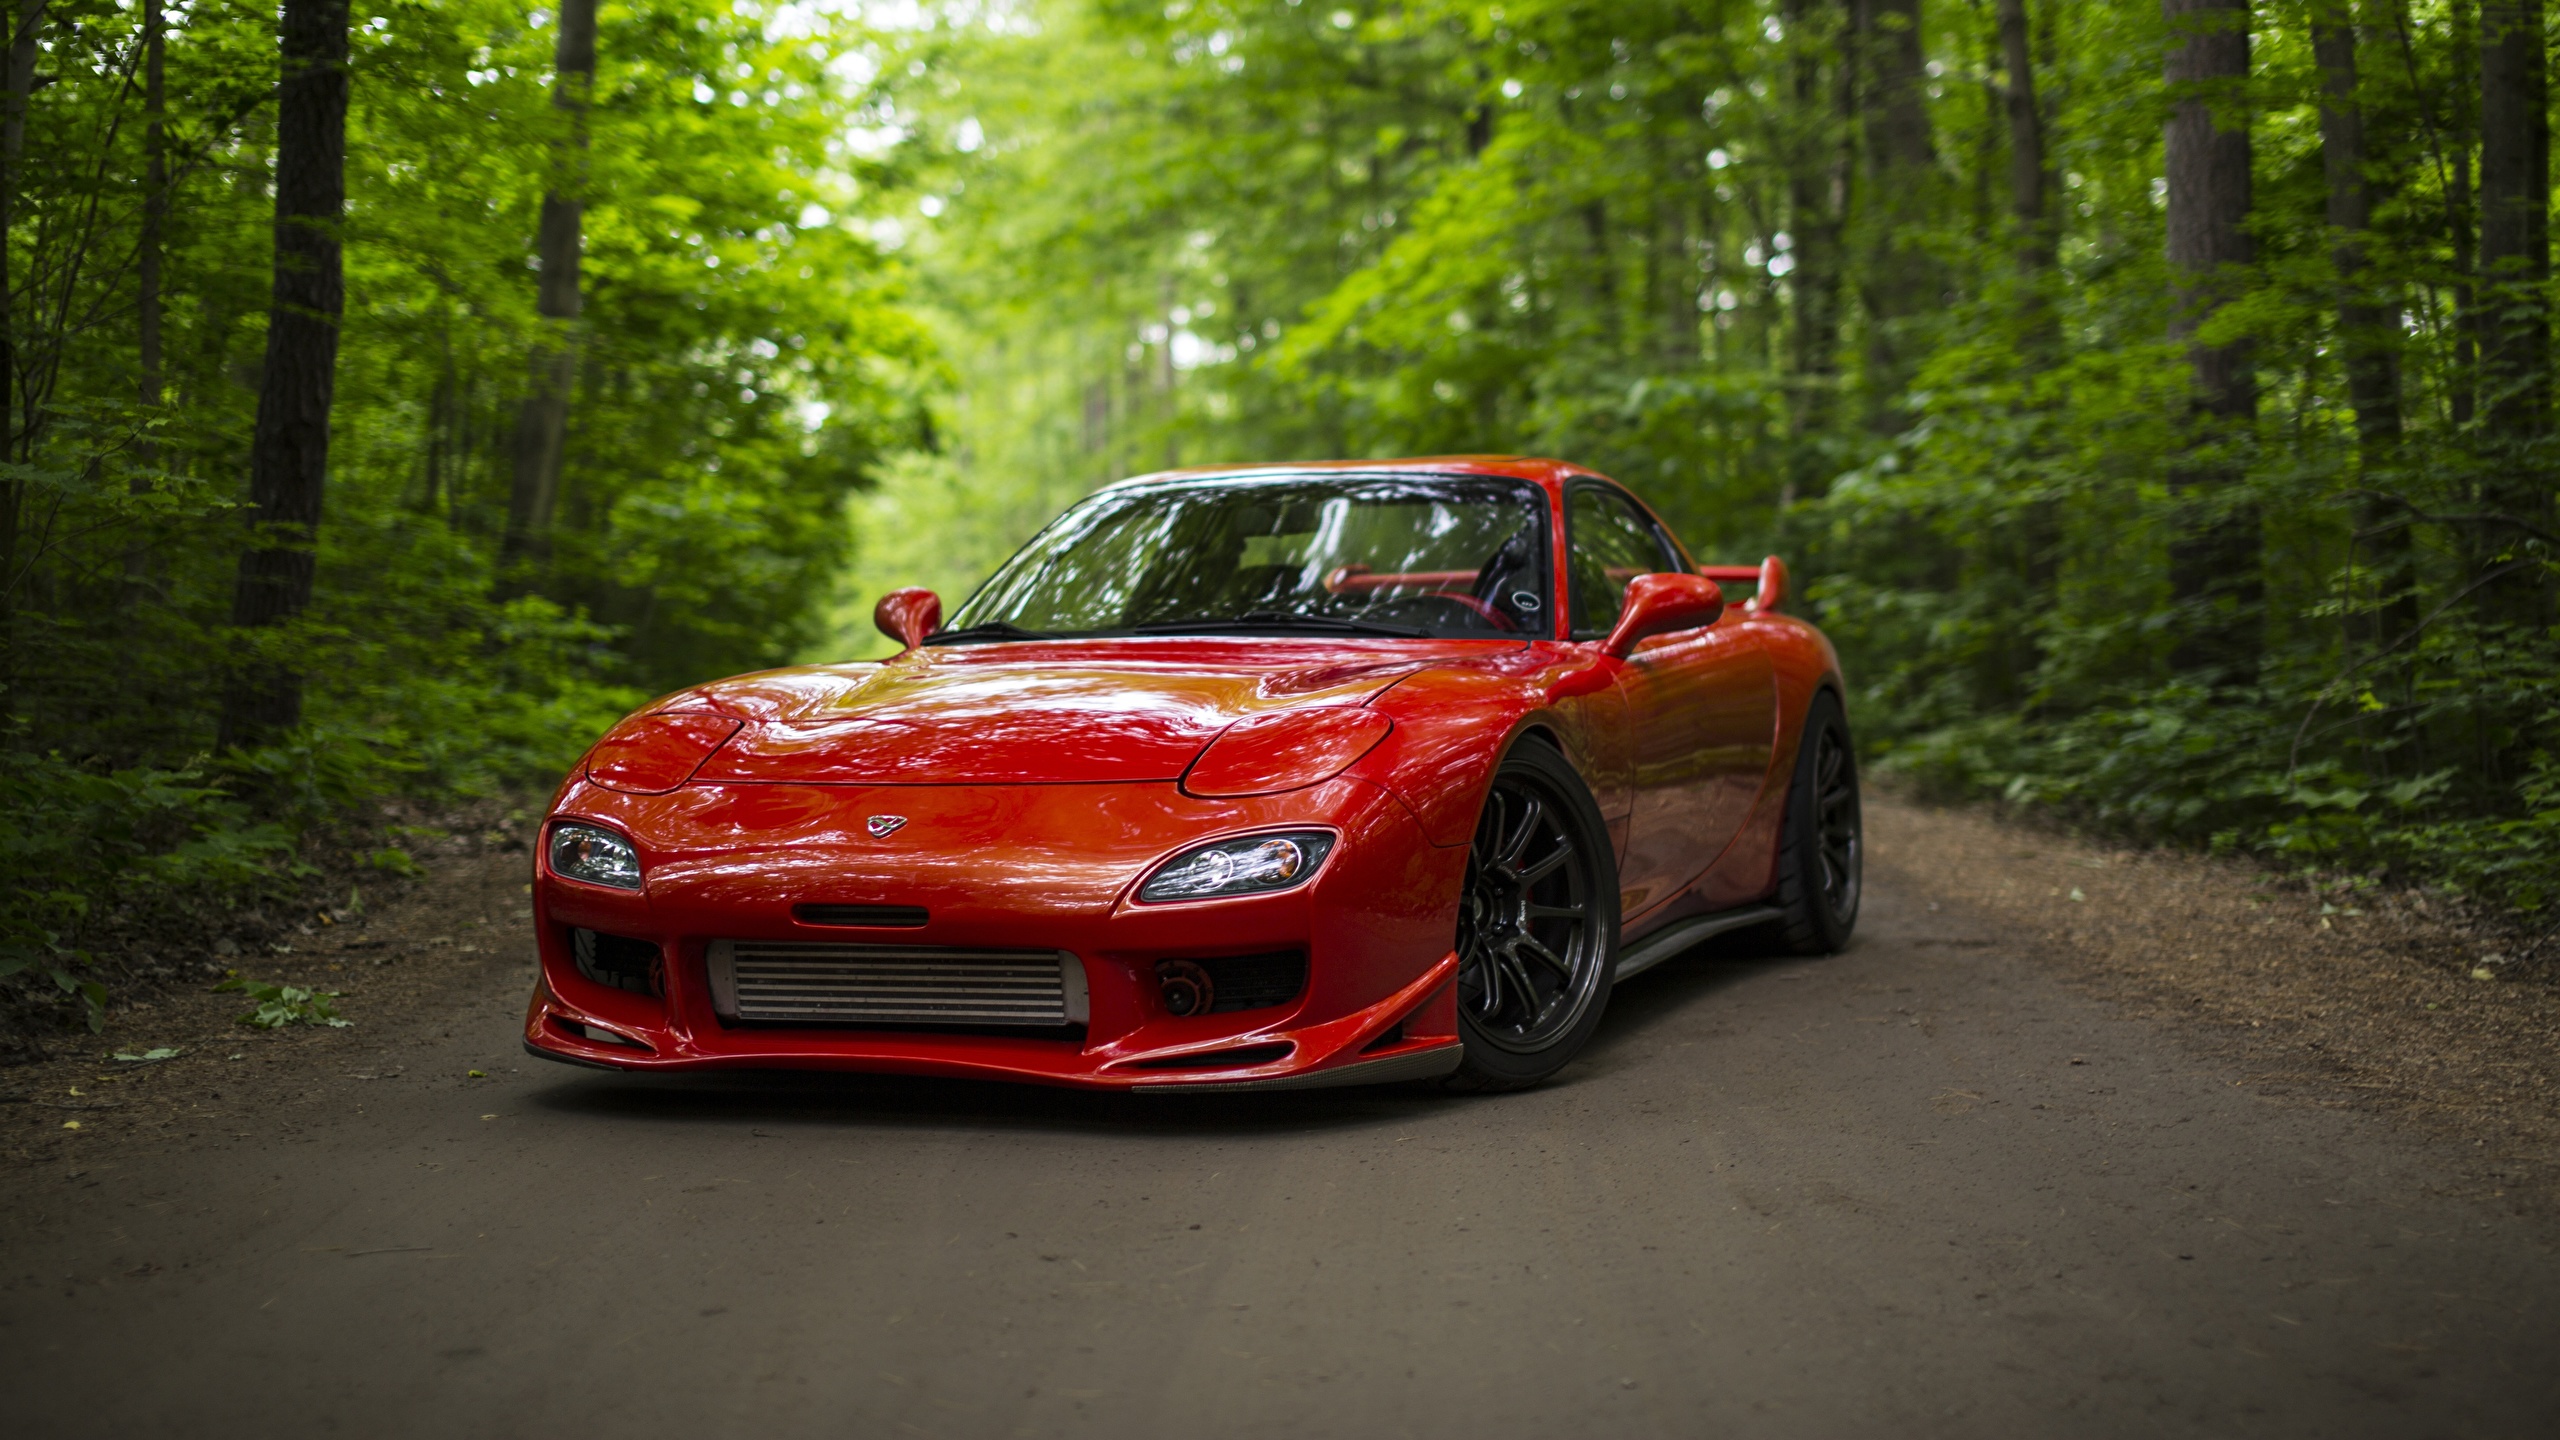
(2445,779)
(116,875)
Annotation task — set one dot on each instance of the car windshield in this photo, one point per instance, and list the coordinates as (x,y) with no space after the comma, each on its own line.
(1350,555)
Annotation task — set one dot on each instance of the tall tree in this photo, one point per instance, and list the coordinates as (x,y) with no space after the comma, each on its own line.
(149,251)
(2368,333)
(17,429)
(289,448)
(2214,556)
(2460,127)
(155,197)
(1901,282)
(2028,205)
(1817,206)
(542,424)
(2038,256)
(2515,275)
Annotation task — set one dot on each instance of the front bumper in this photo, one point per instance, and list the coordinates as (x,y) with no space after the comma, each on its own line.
(1033,867)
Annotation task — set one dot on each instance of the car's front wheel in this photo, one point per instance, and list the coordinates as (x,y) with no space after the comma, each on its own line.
(1537,925)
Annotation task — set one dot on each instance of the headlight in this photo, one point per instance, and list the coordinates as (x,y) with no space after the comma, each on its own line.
(1246,865)
(595,855)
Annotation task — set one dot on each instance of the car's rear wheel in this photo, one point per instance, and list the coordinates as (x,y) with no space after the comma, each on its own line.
(1537,925)
(1821,858)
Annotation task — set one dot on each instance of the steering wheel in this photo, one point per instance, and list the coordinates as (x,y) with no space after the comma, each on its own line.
(1474,607)
(1512,554)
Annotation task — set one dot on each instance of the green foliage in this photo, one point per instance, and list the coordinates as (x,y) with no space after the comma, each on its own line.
(745,367)
(1664,240)
(280,1004)
(78,842)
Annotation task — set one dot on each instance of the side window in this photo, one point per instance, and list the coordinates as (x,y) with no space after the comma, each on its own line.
(1612,543)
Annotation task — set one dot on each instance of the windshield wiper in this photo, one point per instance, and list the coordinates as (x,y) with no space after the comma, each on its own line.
(1281,620)
(991,630)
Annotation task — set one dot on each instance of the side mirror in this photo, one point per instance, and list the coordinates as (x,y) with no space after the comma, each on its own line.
(1660,604)
(907,616)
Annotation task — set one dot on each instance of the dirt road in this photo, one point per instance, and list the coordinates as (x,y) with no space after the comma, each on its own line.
(1925,1187)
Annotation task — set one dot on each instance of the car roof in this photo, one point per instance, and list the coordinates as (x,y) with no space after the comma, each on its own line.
(1549,475)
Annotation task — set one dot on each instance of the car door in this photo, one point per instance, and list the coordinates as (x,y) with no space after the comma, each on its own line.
(1701,704)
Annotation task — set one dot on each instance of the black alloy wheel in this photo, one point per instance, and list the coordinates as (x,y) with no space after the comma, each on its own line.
(1836,820)
(1822,857)
(1537,924)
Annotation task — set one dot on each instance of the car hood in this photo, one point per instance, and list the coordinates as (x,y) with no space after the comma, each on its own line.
(1057,713)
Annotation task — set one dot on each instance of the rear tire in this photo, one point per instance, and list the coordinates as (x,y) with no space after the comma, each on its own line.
(1822,854)
(1537,925)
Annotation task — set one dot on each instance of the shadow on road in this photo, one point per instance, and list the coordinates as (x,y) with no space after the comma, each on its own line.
(1679,987)
(894,1102)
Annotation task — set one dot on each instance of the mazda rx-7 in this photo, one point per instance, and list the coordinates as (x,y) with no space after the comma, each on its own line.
(1248,778)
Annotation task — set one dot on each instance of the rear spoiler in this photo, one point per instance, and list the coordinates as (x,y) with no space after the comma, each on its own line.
(1769,575)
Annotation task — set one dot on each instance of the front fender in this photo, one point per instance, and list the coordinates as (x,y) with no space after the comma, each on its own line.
(1454,723)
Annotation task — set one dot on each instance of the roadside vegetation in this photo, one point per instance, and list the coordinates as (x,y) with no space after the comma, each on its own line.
(2156,399)
(395,395)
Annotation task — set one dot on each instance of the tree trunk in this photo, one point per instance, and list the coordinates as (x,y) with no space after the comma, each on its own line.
(1903,284)
(1817,201)
(1671,266)
(289,448)
(542,424)
(155,197)
(147,256)
(2214,557)
(2368,337)
(1680,293)
(2463,236)
(2515,207)
(2030,211)
(2365,319)
(1604,274)
(2027,182)
(440,427)
(2514,275)
(16,430)
(1166,379)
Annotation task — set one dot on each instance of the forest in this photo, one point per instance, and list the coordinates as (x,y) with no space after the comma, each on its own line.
(397,395)
(2153,396)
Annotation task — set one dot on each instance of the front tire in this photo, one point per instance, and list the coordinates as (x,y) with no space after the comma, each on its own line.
(1537,925)
(1822,855)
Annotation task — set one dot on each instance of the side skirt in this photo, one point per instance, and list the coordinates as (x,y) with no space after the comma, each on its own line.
(1653,949)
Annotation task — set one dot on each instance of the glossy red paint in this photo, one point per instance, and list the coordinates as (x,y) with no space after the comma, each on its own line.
(1288,750)
(1037,784)
(653,754)
(1663,605)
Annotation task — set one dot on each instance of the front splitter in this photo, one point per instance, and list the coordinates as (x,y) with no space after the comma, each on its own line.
(1427,1064)
(1326,1054)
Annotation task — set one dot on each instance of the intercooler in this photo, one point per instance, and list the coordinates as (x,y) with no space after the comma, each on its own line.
(796,982)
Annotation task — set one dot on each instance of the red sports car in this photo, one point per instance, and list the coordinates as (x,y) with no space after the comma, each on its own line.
(1249,778)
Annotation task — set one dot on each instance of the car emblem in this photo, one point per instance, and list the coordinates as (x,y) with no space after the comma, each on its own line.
(884,826)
